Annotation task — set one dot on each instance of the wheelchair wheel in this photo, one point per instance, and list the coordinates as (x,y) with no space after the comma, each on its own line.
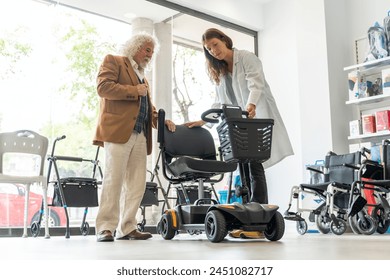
(301,227)
(275,228)
(323,223)
(367,225)
(379,215)
(35,228)
(166,227)
(338,227)
(141,226)
(84,229)
(215,226)
(353,224)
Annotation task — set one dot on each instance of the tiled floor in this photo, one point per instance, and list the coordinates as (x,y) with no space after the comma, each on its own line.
(311,246)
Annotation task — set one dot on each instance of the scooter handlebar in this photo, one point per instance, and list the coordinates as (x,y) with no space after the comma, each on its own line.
(211,115)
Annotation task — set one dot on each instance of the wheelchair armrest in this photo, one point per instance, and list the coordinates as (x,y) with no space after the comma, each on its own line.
(314,170)
(353,166)
(372,163)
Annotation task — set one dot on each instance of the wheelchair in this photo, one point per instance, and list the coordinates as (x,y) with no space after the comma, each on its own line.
(340,172)
(369,210)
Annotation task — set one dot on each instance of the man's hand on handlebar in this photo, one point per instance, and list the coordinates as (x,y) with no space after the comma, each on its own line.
(194,124)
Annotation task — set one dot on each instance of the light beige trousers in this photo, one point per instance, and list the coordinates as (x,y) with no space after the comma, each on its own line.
(123,185)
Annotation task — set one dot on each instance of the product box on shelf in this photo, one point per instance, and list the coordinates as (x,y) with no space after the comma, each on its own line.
(355,128)
(386,81)
(368,124)
(382,120)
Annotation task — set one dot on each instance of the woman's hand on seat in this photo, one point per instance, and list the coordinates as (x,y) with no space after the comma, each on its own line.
(170,125)
(194,124)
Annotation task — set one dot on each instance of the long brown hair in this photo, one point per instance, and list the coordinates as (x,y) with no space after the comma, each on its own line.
(215,67)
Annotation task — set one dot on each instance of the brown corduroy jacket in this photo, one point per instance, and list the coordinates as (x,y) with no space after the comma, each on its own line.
(119,103)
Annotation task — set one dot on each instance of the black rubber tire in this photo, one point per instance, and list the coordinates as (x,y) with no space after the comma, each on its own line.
(35,228)
(379,215)
(84,229)
(353,224)
(367,225)
(323,224)
(166,227)
(275,227)
(215,226)
(301,227)
(340,229)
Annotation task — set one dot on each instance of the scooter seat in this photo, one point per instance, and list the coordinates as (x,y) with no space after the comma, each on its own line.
(208,168)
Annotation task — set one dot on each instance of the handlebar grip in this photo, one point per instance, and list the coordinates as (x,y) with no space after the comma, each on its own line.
(215,118)
(60,137)
(160,127)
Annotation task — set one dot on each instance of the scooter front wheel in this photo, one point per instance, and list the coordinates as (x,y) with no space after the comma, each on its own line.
(215,226)
(275,227)
(166,227)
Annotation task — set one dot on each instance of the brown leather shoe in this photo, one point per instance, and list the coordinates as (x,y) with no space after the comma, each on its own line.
(136,235)
(105,236)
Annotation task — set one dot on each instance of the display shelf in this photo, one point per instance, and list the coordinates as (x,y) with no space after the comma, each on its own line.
(383,133)
(368,100)
(370,64)
(360,73)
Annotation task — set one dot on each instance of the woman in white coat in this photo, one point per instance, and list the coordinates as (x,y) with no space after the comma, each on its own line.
(239,77)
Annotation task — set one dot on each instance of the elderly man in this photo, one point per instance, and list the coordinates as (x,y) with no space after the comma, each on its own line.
(124,129)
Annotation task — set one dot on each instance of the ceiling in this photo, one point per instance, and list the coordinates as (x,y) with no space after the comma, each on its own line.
(186,27)
(121,10)
(126,10)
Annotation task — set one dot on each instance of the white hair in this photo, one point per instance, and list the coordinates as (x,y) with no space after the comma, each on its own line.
(131,46)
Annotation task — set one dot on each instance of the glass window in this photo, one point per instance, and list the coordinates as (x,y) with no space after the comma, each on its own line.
(50,55)
(193,92)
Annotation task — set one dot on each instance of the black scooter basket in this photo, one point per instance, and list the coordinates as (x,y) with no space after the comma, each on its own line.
(245,140)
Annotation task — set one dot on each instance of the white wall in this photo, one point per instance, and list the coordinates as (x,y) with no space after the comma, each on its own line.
(304,46)
(293,51)
(346,21)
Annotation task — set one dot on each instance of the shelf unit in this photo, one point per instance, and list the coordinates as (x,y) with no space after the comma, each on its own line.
(368,105)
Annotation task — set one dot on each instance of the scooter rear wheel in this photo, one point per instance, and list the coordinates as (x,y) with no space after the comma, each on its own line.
(215,226)
(275,227)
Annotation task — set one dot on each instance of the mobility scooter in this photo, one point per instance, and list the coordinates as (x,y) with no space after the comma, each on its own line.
(189,155)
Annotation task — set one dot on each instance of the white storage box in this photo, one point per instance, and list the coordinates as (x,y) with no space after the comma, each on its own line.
(355,128)
(386,81)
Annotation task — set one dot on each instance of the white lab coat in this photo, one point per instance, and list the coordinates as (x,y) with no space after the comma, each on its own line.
(250,86)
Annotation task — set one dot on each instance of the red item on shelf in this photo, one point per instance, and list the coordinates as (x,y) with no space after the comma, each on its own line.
(382,120)
(368,124)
